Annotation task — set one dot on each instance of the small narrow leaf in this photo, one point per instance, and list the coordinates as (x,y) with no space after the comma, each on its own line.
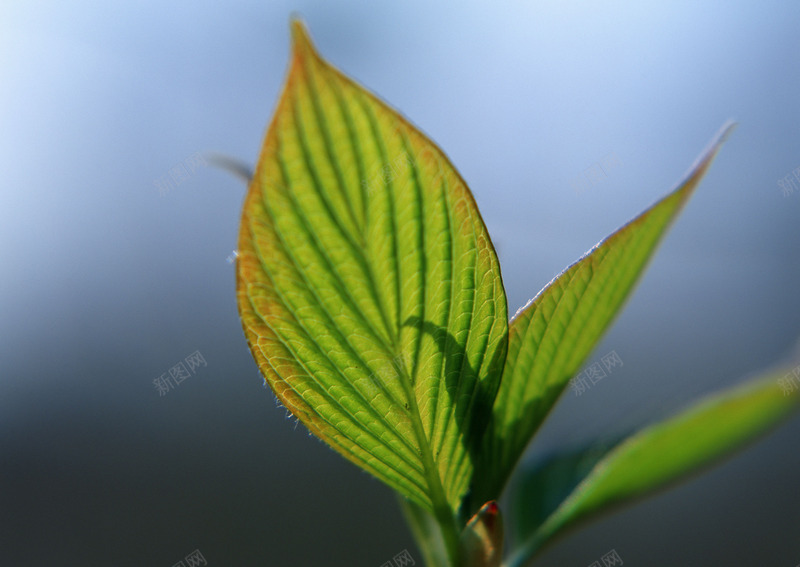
(368,288)
(542,486)
(667,452)
(550,338)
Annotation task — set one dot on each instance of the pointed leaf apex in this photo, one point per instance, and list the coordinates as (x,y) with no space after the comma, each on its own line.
(700,166)
(301,40)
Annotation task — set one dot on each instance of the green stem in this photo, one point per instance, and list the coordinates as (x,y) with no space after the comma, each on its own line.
(441,508)
(426,533)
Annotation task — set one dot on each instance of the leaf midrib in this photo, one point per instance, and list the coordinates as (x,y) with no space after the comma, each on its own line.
(435,486)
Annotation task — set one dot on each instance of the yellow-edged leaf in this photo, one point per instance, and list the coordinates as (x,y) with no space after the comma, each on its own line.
(368,288)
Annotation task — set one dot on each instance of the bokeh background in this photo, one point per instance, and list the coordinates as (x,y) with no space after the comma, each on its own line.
(116,240)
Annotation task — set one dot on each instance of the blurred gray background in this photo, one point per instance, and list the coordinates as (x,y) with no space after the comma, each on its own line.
(565,118)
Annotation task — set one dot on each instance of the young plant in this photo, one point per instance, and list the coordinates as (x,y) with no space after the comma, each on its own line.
(371,298)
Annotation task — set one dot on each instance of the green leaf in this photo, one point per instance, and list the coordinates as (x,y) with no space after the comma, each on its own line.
(550,338)
(368,288)
(540,487)
(666,452)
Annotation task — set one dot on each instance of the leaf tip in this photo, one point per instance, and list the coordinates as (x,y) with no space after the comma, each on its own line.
(301,40)
(726,130)
(700,166)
